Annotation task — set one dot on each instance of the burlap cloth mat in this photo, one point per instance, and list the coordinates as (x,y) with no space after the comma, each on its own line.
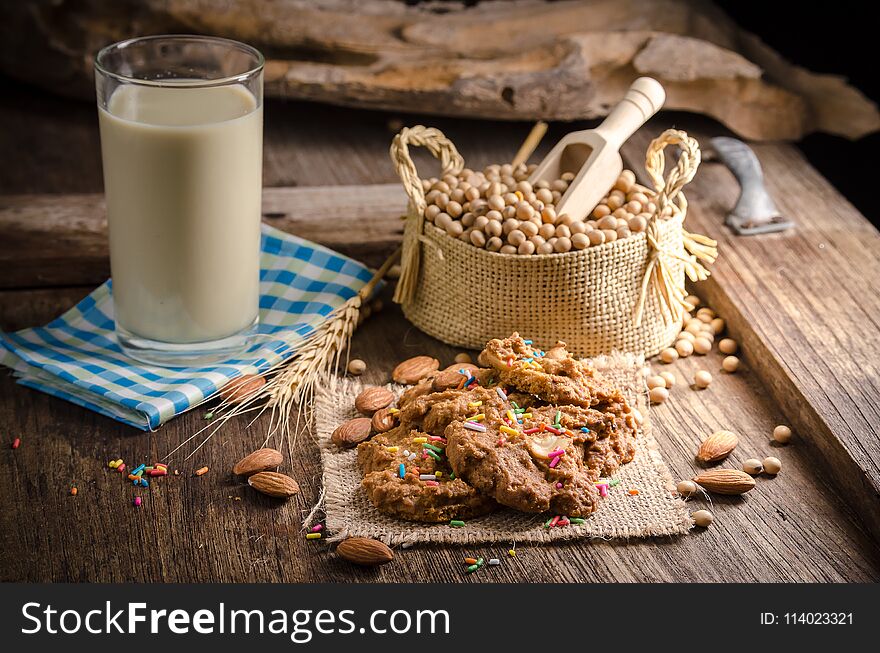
(654,511)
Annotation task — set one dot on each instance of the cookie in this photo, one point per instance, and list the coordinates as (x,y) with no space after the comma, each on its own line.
(433,412)
(549,461)
(554,376)
(436,499)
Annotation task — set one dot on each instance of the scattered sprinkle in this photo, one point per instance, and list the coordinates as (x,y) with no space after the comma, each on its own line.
(16,443)
(614,482)
(432,483)
(500,393)
(577,520)
(137,501)
(473,426)
(393,411)
(313,536)
(470,561)
(479,417)
(475,566)
(508,430)
(73,491)
(511,553)
(554,462)
(421,440)
(633,492)
(435,456)
(494,562)
(426,477)
(317,528)
(401,470)
(475,404)
(392,449)
(456,523)
(584,429)
(138,469)
(528,342)
(438,474)
(432,447)
(202,470)
(558,485)
(558,419)
(209,415)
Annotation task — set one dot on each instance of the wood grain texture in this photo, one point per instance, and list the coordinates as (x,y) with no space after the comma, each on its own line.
(805,305)
(792,528)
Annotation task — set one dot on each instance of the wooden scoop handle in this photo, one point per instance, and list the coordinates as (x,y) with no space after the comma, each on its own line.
(643,99)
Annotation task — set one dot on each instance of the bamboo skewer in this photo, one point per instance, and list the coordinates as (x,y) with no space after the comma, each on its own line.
(531,143)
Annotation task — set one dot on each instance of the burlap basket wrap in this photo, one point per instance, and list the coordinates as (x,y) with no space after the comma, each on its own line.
(655,511)
(625,295)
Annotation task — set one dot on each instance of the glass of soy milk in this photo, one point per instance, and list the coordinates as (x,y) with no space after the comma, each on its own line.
(181,121)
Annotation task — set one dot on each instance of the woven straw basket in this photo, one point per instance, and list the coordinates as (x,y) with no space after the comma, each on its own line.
(625,295)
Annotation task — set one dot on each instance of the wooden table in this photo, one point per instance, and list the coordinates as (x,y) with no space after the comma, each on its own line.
(804,305)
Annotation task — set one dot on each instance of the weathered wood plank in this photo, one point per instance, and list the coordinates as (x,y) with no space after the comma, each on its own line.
(55,240)
(804,305)
(193,529)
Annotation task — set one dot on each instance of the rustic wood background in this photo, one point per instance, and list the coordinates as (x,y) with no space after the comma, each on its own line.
(804,305)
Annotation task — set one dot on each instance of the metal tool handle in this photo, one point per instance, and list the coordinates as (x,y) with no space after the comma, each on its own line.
(754,202)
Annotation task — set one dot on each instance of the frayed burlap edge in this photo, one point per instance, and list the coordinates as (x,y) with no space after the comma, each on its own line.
(654,511)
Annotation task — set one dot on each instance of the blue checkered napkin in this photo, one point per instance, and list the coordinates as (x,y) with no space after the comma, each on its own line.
(76,357)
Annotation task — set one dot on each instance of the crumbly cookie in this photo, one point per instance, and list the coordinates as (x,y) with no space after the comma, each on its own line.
(554,376)
(435,411)
(436,499)
(518,464)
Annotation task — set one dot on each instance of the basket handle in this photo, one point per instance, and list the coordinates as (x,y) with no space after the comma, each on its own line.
(658,274)
(451,162)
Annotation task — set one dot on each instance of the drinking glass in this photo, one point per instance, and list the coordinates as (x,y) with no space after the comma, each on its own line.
(181,120)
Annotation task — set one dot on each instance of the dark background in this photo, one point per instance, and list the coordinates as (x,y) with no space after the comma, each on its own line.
(840,38)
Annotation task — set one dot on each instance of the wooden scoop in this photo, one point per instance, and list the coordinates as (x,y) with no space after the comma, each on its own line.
(592,155)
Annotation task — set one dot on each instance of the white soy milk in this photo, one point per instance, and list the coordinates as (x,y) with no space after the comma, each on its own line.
(182,178)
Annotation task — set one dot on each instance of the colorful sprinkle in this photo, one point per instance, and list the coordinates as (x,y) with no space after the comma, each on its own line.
(401,470)
(584,429)
(392,449)
(554,521)
(313,536)
(437,438)
(426,477)
(614,482)
(16,443)
(393,411)
(558,417)
(528,342)
(420,440)
(532,430)
(456,523)
(202,470)
(603,491)
(494,562)
(475,404)
(508,430)
(554,461)
(73,491)
(633,492)
(432,447)
(470,561)
(475,566)
(140,468)
(558,485)
(121,467)
(551,429)
(473,426)
(317,528)
(500,393)
(432,483)
(433,455)
(137,501)
(479,417)
(511,553)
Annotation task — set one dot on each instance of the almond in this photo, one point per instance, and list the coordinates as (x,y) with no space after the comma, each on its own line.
(259,461)
(364,551)
(717,446)
(415,369)
(352,432)
(274,484)
(383,420)
(455,367)
(725,481)
(244,387)
(446,380)
(372,399)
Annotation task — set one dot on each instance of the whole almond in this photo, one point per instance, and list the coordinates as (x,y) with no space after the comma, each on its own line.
(717,446)
(725,481)
(383,420)
(259,461)
(242,388)
(455,367)
(364,551)
(415,369)
(274,484)
(446,380)
(352,432)
(372,399)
